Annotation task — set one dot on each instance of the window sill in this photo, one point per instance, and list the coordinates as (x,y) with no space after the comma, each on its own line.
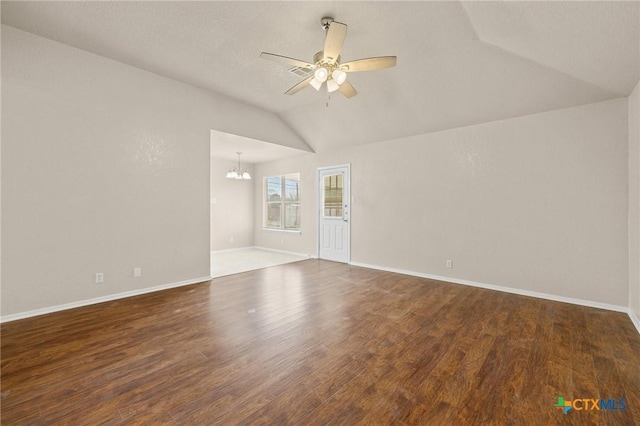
(283,231)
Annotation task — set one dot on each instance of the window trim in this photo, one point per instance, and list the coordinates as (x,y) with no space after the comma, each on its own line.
(285,231)
(283,204)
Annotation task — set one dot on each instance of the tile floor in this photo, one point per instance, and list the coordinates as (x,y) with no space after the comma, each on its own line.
(247,259)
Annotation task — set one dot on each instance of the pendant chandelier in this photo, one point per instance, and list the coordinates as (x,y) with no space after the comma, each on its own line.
(236,172)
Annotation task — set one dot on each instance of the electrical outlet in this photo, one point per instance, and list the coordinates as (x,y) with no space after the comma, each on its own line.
(231,239)
(99,278)
(449,264)
(137,272)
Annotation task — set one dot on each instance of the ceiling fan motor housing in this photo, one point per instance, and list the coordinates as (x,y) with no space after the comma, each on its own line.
(317,60)
(326,22)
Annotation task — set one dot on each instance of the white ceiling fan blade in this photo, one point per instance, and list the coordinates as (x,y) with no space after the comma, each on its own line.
(286,60)
(298,87)
(347,90)
(369,64)
(336,34)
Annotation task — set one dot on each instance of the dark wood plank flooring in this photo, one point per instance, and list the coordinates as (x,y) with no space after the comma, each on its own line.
(323,343)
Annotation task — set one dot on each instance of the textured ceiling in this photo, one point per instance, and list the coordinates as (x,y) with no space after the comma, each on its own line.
(459,63)
(226,146)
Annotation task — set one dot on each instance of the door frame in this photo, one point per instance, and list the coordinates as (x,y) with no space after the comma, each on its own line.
(347,183)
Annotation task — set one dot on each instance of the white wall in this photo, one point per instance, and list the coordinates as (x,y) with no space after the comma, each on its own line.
(105,167)
(634,201)
(232,207)
(535,203)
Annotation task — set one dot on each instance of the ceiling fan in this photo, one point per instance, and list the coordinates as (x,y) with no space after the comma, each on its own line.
(326,65)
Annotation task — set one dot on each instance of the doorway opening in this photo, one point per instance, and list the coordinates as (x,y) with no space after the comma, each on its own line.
(236,208)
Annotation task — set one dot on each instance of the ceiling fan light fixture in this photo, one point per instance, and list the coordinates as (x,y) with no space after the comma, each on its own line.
(327,63)
(332,86)
(315,83)
(339,76)
(321,74)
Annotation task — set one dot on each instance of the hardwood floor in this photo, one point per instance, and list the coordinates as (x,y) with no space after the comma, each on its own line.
(323,343)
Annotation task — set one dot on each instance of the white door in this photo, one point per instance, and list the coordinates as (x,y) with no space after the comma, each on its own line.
(334,218)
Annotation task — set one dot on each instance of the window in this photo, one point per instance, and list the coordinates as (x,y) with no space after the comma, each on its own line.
(332,196)
(282,202)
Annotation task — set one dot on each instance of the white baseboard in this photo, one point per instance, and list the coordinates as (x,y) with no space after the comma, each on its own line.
(634,319)
(285,252)
(265,249)
(101,299)
(232,249)
(521,292)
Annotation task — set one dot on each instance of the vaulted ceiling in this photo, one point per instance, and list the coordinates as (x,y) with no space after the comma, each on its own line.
(459,63)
